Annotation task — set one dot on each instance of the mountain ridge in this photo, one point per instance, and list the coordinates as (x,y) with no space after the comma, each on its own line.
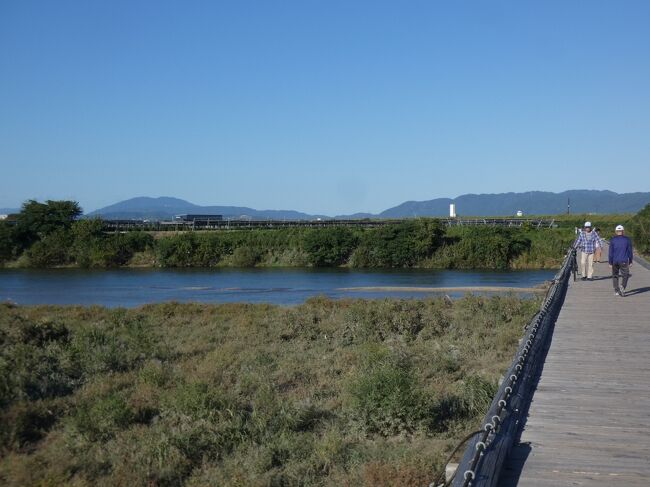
(471,204)
(166,207)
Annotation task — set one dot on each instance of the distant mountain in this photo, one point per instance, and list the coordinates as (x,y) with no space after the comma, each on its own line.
(166,208)
(531,203)
(503,204)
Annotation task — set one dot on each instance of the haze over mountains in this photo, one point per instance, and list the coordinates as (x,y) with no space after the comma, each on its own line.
(503,204)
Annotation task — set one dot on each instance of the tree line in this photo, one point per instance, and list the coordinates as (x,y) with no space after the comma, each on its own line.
(52,233)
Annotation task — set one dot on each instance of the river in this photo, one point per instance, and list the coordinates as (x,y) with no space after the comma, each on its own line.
(134,287)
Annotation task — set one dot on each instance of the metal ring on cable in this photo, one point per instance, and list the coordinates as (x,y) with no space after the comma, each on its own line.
(522,358)
(513,377)
(480,445)
(488,427)
(469,475)
(496,420)
(508,390)
(529,342)
(518,367)
(502,403)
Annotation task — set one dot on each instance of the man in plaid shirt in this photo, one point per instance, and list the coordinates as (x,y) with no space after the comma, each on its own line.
(587,243)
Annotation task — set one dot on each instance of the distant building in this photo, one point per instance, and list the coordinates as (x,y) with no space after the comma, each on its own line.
(452,210)
(520,213)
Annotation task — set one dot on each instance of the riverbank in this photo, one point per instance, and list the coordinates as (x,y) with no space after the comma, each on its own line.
(45,236)
(350,392)
(421,243)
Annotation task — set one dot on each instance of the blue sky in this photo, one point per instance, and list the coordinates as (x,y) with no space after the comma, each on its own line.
(321,106)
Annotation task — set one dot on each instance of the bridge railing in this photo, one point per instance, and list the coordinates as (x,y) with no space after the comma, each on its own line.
(486,452)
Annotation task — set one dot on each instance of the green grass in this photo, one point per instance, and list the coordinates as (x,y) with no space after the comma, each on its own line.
(350,392)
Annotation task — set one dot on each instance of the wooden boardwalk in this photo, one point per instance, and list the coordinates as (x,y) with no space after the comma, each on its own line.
(589,420)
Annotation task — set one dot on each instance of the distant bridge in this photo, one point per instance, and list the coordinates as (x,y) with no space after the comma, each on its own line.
(574,406)
(225,224)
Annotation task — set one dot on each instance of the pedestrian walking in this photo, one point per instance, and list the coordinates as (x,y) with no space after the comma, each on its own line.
(598,252)
(620,259)
(587,242)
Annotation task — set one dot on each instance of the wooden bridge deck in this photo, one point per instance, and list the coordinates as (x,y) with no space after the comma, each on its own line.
(589,421)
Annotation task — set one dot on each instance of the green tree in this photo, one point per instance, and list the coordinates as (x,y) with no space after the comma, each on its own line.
(6,242)
(37,220)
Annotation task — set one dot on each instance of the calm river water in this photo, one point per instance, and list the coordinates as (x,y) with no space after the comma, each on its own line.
(134,287)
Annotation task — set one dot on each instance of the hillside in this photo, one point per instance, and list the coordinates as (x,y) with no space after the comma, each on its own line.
(165,208)
(531,203)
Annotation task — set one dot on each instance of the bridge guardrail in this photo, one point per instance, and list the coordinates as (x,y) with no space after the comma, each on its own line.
(489,447)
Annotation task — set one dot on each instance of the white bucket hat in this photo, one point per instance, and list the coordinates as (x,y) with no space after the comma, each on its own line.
(619,228)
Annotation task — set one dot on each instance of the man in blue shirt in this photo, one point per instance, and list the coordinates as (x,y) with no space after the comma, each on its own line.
(620,259)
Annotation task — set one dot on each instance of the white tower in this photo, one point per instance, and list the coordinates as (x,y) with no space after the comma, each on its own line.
(452,210)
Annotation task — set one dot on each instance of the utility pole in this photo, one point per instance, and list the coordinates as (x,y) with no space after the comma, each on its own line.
(568,206)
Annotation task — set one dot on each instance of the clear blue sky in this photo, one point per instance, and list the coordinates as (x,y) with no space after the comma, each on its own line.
(321,106)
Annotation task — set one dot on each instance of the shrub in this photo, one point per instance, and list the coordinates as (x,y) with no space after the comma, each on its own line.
(400,245)
(472,398)
(245,257)
(386,397)
(25,422)
(482,248)
(329,247)
(100,419)
(52,250)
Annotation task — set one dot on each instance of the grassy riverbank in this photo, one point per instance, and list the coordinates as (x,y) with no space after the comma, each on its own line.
(414,243)
(48,235)
(327,393)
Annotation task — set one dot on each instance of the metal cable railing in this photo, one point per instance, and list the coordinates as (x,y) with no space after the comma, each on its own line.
(485,454)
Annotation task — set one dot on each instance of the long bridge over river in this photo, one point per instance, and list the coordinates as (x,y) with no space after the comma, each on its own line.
(574,407)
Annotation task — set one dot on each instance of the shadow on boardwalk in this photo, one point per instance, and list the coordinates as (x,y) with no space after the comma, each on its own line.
(640,290)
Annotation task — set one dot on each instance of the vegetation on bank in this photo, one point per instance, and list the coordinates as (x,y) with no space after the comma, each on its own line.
(349,392)
(50,234)
(639,229)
